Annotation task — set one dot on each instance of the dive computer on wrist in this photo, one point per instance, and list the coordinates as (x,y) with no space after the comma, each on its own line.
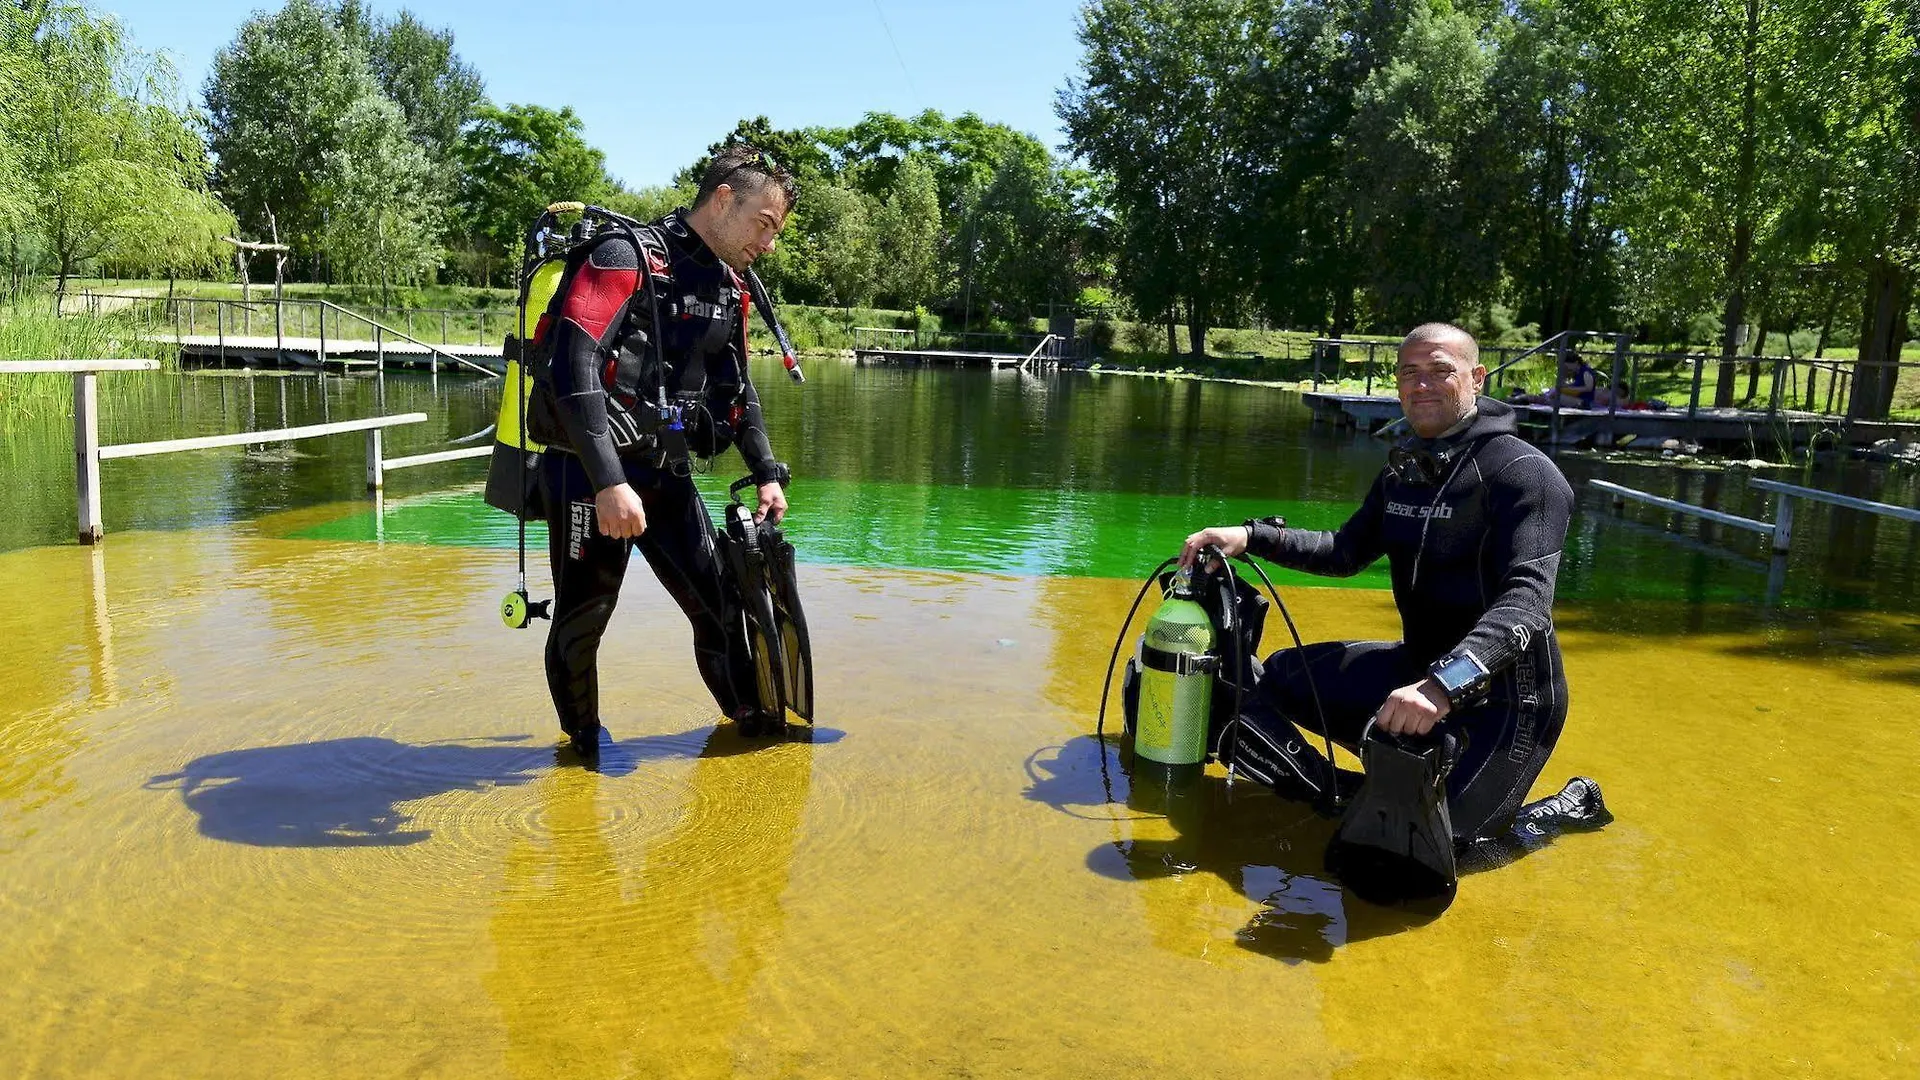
(1462,677)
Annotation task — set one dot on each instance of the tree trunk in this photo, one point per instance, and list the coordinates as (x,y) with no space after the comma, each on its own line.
(1826,321)
(1197,327)
(1883,331)
(1173,336)
(1742,252)
(60,283)
(1342,312)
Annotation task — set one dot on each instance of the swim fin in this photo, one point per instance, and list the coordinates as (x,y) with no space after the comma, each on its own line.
(745,562)
(759,566)
(790,621)
(1394,845)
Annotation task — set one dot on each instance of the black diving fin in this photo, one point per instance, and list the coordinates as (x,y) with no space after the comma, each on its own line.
(759,564)
(1395,845)
(790,621)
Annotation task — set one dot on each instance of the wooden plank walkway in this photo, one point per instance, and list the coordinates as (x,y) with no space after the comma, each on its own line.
(939,356)
(341,354)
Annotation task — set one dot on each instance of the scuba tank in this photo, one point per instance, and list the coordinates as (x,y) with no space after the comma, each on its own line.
(1197,661)
(1176,666)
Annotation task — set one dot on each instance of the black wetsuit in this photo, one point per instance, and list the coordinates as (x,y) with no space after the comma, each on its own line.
(592,411)
(1473,554)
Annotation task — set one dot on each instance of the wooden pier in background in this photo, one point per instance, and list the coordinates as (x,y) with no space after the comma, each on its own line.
(1723,428)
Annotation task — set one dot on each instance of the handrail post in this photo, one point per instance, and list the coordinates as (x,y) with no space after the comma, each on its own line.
(376,475)
(1782,523)
(220,329)
(1616,381)
(1693,403)
(86,454)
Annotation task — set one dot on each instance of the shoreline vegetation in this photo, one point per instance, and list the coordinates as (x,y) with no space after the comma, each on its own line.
(1247,356)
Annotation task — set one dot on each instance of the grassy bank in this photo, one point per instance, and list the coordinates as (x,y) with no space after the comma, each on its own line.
(460,314)
(32,333)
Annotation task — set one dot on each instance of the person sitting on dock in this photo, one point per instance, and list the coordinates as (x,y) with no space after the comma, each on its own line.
(1579,387)
(1472,520)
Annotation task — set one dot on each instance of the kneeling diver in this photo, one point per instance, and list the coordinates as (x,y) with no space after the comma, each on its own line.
(1454,722)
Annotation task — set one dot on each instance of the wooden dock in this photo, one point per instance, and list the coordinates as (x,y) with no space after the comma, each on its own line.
(940,357)
(1729,428)
(332,354)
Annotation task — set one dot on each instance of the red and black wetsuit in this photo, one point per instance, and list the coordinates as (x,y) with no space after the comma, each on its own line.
(1474,548)
(599,420)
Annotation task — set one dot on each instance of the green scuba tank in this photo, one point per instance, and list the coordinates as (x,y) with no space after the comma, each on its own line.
(1177,665)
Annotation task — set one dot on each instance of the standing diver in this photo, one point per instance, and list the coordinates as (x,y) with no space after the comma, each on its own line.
(1472,520)
(649,363)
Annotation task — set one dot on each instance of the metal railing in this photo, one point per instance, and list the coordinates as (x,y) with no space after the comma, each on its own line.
(234,318)
(89,454)
(1780,531)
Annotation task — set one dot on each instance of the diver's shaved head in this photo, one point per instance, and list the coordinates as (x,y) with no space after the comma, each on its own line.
(1456,342)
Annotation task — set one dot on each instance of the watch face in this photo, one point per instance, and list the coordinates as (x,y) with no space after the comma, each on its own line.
(1457,672)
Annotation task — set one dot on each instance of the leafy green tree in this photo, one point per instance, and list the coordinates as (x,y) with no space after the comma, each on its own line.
(1421,173)
(276,99)
(649,203)
(417,67)
(514,162)
(112,170)
(834,258)
(1560,116)
(1713,149)
(382,225)
(907,231)
(1868,152)
(798,152)
(1026,233)
(1154,108)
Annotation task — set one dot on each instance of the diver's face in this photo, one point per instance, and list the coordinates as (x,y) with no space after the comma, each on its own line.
(1437,388)
(746,225)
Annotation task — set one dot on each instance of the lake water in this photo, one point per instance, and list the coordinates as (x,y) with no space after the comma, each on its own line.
(280,796)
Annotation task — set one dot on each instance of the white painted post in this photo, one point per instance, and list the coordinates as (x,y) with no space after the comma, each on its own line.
(86,454)
(1783,523)
(376,474)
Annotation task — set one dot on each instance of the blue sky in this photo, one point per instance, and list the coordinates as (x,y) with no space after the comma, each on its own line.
(656,83)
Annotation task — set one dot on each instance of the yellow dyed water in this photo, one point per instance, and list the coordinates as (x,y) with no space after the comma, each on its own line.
(293,808)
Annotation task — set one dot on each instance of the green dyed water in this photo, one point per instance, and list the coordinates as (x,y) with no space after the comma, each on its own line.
(1070,474)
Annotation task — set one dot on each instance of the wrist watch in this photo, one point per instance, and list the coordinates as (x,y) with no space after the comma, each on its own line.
(1461,676)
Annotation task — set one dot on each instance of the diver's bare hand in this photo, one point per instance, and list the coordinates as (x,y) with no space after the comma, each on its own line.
(1230,539)
(773,501)
(619,512)
(1413,710)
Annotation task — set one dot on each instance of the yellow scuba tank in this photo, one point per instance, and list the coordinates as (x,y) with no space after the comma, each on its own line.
(512,481)
(1177,666)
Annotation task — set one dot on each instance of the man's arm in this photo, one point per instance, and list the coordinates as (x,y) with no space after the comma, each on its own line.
(589,315)
(1342,553)
(755,448)
(1531,506)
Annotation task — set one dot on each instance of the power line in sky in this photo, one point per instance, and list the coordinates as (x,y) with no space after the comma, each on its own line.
(908,75)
